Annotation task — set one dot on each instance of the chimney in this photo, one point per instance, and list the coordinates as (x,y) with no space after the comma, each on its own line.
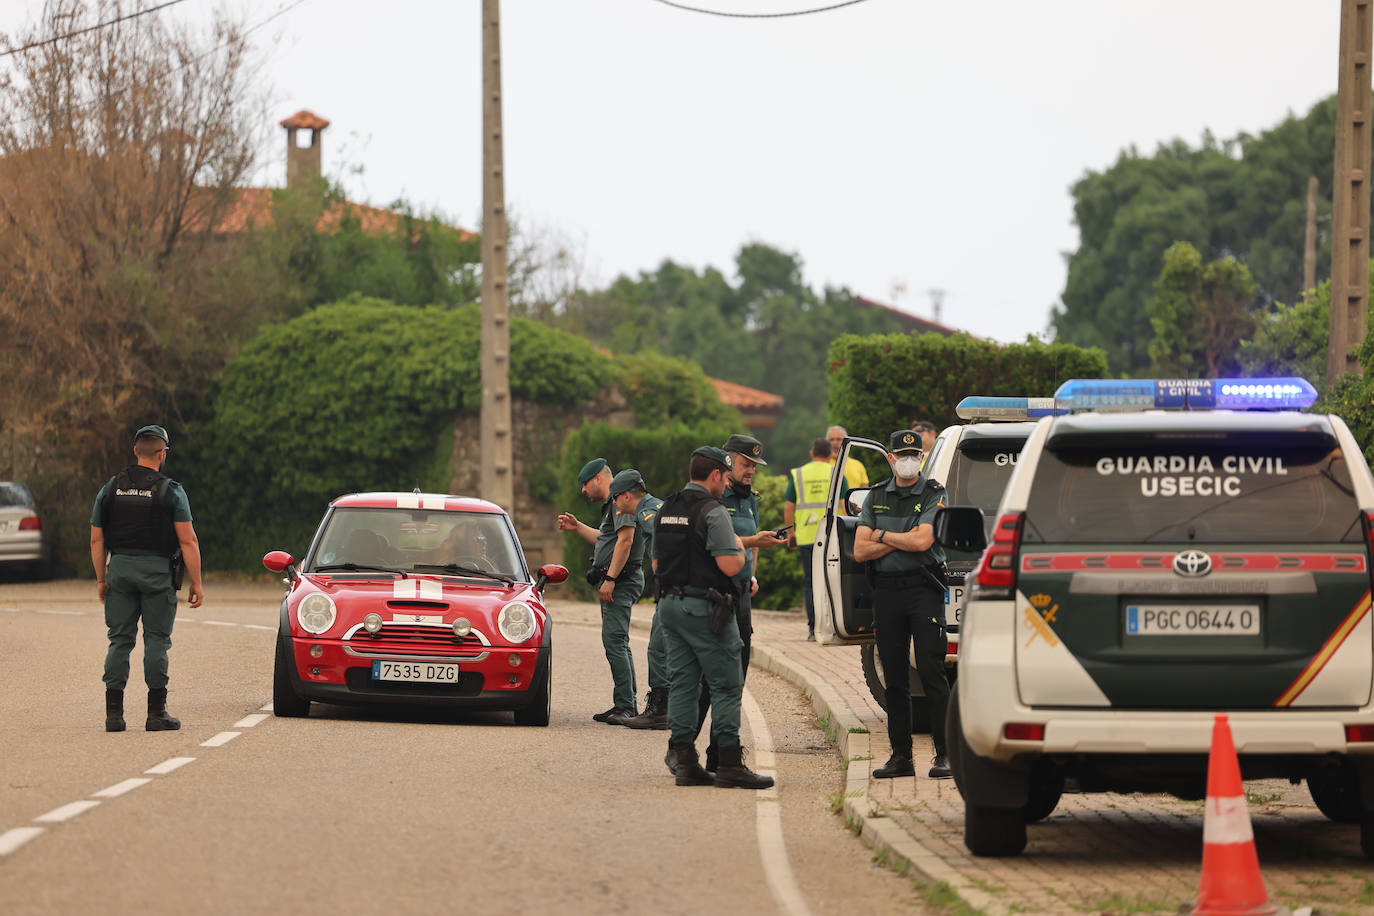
(303,162)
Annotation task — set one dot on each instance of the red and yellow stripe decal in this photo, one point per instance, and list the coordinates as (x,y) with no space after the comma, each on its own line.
(1325,653)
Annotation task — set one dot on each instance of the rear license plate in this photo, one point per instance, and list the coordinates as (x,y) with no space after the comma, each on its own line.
(954,598)
(1192,620)
(422,672)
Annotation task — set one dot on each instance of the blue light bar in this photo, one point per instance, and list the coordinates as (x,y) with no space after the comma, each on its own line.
(976,408)
(1185,394)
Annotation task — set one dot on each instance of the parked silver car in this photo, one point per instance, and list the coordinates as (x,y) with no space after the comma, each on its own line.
(25,543)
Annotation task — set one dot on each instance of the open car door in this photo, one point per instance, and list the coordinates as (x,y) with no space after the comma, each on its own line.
(840,591)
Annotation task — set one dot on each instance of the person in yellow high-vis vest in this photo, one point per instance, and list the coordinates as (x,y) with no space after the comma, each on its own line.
(803,508)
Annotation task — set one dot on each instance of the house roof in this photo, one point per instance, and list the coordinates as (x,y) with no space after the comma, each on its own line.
(252,207)
(744,398)
(908,321)
(306,120)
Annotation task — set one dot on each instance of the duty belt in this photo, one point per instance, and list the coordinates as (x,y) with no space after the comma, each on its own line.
(887,581)
(686,591)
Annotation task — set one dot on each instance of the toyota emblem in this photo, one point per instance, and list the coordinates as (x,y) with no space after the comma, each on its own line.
(1192,563)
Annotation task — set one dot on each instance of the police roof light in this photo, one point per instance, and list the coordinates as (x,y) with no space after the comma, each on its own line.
(976,408)
(1185,394)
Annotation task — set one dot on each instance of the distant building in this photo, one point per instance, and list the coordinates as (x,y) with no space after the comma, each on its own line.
(760,409)
(908,322)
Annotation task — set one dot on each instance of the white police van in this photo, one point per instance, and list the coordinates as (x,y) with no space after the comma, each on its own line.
(974,462)
(1170,550)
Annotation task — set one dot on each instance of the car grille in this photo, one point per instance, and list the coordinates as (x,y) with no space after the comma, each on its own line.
(410,640)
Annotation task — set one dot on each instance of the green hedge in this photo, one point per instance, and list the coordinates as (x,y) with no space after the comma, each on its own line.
(883,382)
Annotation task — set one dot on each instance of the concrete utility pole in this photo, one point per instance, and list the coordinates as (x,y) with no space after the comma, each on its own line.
(1350,193)
(497,479)
(1309,253)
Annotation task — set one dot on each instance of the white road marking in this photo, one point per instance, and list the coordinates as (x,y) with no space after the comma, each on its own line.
(220,740)
(120,788)
(218,623)
(66,812)
(11,840)
(255,626)
(777,870)
(64,613)
(250,721)
(168,765)
(267,708)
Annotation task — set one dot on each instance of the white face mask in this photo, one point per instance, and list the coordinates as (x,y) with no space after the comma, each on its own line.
(908,466)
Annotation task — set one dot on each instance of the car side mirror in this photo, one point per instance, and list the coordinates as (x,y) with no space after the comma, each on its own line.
(280,561)
(960,528)
(854,501)
(550,572)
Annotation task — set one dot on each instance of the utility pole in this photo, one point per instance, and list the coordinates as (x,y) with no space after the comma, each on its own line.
(1309,254)
(497,478)
(937,303)
(1350,193)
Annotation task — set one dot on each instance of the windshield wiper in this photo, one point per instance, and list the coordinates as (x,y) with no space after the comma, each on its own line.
(362,567)
(454,569)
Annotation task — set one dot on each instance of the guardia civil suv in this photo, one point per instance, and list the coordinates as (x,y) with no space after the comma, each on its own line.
(1170,550)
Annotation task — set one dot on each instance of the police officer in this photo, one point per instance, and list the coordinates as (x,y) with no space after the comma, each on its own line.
(630,497)
(740,500)
(696,554)
(618,579)
(895,534)
(142,520)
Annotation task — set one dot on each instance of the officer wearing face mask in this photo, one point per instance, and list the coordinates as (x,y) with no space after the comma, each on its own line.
(895,535)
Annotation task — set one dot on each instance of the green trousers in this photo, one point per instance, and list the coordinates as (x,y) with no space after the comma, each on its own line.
(658,655)
(694,654)
(138,587)
(615,638)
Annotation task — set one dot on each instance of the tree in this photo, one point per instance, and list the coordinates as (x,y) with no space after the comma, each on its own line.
(1200,314)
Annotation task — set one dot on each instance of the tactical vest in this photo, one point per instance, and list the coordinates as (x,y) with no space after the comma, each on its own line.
(680,544)
(812,482)
(136,513)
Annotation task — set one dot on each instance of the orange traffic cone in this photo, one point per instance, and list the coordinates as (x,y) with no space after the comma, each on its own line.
(1231,882)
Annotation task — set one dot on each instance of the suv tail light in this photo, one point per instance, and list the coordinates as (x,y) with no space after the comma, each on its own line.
(32,523)
(997,569)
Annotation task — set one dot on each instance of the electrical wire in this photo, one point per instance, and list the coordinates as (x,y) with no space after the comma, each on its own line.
(697,9)
(90,28)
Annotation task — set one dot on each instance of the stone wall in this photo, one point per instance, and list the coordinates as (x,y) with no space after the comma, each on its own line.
(537,429)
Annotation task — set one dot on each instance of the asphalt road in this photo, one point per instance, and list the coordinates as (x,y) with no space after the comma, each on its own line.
(386,811)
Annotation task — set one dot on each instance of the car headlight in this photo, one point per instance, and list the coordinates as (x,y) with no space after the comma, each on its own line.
(516,622)
(316,613)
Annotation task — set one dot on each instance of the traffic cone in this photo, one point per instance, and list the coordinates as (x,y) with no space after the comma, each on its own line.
(1231,882)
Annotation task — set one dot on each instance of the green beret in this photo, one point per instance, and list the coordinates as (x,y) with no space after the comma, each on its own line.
(625,481)
(905,440)
(153,431)
(747,446)
(715,454)
(590,470)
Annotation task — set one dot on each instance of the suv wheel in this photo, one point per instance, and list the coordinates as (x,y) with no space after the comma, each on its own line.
(876,679)
(994,831)
(1046,788)
(1336,793)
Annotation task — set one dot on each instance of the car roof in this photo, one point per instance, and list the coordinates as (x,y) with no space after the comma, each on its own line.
(433,501)
(1199,421)
(976,433)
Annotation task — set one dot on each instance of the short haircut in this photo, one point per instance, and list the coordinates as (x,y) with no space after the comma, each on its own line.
(702,466)
(840,428)
(821,448)
(923,426)
(146,446)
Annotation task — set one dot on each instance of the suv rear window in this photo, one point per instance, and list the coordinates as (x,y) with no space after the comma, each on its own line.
(1282,488)
(977,477)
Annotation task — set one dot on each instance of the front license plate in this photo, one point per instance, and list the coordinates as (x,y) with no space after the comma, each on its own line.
(1192,620)
(422,672)
(954,598)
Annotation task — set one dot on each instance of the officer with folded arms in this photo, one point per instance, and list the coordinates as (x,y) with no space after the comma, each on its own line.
(895,535)
(696,556)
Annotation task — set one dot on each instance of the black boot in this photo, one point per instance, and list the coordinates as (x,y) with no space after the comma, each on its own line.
(655,714)
(114,710)
(712,757)
(158,720)
(686,767)
(733,774)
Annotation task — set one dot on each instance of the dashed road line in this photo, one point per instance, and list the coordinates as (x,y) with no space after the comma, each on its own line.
(267,708)
(219,623)
(777,868)
(66,812)
(221,739)
(255,626)
(168,765)
(250,721)
(64,613)
(11,840)
(120,788)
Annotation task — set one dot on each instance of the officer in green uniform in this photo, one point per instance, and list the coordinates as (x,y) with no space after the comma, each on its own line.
(895,535)
(740,500)
(696,554)
(632,498)
(142,521)
(616,574)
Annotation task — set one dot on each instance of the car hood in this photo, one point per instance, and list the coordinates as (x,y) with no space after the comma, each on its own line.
(356,595)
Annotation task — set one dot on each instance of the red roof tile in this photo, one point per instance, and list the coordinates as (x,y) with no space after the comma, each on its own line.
(306,120)
(908,321)
(743,397)
(252,208)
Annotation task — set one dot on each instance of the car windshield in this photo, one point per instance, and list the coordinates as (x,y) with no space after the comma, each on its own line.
(977,477)
(1221,489)
(423,540)
(15,494)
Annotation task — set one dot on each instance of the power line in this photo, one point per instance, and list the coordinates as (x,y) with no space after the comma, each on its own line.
(90,28)
(697,9)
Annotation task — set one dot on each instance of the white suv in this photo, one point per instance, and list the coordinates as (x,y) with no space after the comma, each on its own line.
(1150,568)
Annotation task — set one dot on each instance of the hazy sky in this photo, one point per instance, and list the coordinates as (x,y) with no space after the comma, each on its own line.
(894,144)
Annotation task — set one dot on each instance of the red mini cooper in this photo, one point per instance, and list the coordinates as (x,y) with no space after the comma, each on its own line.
(414,598)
